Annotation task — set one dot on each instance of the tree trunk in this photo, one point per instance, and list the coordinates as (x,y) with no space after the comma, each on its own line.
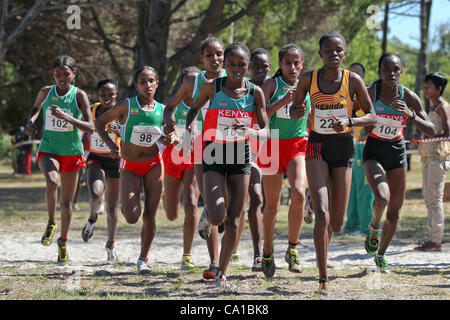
(3,35)
(425,12)
(152,39)
(385,27)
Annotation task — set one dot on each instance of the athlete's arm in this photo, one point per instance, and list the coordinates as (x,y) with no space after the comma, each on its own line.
(184,91)
(268,89)
(35,110)
(298,107)
(119,111)
(86,124)
(261,116)
(363,99)
(412,108)
(206,93)
(444,113)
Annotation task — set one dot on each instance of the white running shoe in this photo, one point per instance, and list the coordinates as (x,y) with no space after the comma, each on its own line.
(204,227)
(88,231)
(221,282)
(143,267)
(111,256)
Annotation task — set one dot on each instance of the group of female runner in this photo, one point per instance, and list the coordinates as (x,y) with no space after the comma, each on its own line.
(231,139)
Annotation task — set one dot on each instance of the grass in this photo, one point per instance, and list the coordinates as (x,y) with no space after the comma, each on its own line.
(22,207)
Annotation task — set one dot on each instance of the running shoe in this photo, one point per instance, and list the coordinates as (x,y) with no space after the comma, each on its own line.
(88,231)
(257,264)
(291,257)
(204,227)
(63,256)
(186,262)
(428,246)
(268,266)
(75,206)
(382,264)
(221,281)
(211,273)
(235,259)
(143,267)
(324,286)
(111,256)
(47,238)
(372,241)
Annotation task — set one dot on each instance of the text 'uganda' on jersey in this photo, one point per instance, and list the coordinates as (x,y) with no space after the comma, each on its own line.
(326,106)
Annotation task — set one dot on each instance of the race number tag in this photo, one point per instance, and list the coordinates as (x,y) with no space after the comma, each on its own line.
(323,119)
(225,131)
(388,127)
(53,123)
(98,145)
(181,129)
(145,136)
(283,112)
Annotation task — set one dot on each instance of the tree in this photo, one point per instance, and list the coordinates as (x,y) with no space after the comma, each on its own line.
(9,34)
(425,13)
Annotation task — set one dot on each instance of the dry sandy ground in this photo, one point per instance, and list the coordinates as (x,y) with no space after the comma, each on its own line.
(168,250)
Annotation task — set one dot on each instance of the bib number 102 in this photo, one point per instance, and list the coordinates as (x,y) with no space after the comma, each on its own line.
(59,123)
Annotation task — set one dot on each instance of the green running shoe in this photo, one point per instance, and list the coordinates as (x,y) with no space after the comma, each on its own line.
(268,266)
(382,264)
(291,257)
(372,241)
(47,238)
(63,256)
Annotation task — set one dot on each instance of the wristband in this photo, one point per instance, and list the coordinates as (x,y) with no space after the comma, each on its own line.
(413,116)
(350,122)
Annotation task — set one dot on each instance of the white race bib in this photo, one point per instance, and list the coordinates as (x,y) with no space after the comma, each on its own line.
(225,131)
(98,145)
(388,128)
(53,123)
(283,112)
(145,136)
(323,120)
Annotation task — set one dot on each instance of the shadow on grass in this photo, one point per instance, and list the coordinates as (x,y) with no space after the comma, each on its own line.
(414,194)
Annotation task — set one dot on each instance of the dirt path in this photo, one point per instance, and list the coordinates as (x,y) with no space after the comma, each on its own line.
(168,250)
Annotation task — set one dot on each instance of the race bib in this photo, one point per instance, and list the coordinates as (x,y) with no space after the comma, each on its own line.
(225,131)
(145,136)
(388,127)
(181,129)
(283,112)
(98,145)
(53,123)
(323,120)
